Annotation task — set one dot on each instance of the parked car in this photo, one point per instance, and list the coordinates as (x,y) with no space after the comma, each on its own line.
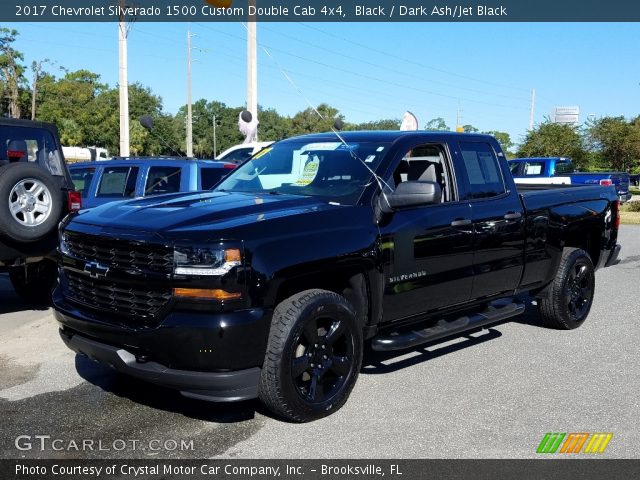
(36,192)
(269,285)
(125,178)
(239,153)
(559,170)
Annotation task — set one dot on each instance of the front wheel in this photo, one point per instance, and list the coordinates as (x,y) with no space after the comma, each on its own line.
(313,356)
(572,290)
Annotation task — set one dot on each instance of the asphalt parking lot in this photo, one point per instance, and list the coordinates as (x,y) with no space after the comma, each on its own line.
(490,395)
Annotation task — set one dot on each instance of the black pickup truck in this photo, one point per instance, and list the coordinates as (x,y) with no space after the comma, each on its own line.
(269,285)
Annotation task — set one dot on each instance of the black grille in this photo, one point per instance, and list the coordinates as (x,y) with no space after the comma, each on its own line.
(120,253)
(138,304)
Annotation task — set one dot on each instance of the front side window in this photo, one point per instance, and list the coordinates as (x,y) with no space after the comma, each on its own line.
(333,171)
(118,182)
(483,170)
(425,163)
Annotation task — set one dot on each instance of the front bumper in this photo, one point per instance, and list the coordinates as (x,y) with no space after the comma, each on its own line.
(206,354)
(215,386)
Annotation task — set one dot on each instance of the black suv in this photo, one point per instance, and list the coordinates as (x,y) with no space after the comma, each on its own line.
(36,192)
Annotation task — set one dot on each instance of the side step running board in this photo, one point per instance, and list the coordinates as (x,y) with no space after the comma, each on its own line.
(496,312)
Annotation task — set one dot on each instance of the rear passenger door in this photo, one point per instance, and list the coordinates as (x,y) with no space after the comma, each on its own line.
(498,220)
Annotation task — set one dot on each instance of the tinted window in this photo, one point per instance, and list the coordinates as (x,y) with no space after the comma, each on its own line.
(118,182)
(483,170)
(211,176)
(514,167)
(24,144)
(237,156)
(82,179)
(162,180)
(564,166)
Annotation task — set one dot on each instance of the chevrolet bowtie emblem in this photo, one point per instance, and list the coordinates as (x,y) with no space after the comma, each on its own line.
(95,270)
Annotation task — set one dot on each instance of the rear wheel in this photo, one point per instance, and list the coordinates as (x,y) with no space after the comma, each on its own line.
(313,356)
(34,282)
(571,295)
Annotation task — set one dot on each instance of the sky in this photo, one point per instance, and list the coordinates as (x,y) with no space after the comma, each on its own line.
(481,72)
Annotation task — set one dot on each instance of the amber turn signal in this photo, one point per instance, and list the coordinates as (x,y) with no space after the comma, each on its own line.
(232,255)
(206,294)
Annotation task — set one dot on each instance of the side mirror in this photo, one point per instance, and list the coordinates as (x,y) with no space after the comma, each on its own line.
(411,194)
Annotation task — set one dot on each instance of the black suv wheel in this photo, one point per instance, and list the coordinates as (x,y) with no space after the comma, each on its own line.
(313,356)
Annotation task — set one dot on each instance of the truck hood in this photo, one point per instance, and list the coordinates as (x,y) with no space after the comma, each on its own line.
(174,214)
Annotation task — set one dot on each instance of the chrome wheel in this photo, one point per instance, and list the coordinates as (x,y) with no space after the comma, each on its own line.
(30,202)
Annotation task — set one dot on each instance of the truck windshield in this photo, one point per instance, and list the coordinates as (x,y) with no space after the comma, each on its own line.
(333,171)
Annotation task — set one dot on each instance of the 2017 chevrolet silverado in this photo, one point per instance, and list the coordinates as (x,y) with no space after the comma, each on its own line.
(268,285)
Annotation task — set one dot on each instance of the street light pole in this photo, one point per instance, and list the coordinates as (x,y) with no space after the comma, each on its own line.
(215,154)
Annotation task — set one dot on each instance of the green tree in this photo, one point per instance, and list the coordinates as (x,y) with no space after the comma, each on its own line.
(504,139)
(617,141)
(469,129)
(385,124)
(437,124)
(555,140)
(11,72)
(313,121)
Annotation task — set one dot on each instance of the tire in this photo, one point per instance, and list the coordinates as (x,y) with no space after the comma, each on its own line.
(313,327)
(571,293)
(36,283)
(30,203)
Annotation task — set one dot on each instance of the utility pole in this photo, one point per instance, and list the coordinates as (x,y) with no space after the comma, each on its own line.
(252,67)
(189,112)
(533,105)
(459,118)
(122,82)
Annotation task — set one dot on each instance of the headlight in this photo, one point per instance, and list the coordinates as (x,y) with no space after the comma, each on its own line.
(205,261)
(64,248)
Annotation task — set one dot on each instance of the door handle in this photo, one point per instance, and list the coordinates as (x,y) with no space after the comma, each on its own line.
(512,216)
(460,222)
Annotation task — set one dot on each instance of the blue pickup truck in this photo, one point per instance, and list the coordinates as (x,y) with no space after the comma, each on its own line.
(561,171)
(126,178)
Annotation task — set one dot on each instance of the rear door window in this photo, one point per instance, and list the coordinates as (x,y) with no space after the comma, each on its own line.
(209,177)
(483,170)
(82,179)
(118,182)
(163,180)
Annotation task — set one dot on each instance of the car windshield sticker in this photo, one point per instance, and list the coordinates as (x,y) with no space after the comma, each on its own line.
(309,172)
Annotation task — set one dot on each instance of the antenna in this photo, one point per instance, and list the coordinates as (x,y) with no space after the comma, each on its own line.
(147,122)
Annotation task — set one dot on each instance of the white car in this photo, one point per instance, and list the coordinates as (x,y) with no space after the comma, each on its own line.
(239,153)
